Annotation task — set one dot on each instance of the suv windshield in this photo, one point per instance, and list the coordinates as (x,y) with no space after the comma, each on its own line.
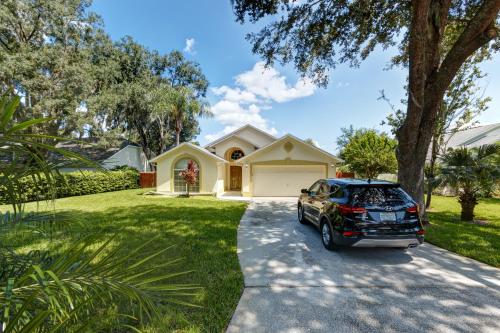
(378,196)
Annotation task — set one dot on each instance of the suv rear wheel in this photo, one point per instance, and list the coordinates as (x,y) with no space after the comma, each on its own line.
(327,236)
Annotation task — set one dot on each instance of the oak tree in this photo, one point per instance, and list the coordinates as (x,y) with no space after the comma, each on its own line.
(317,35)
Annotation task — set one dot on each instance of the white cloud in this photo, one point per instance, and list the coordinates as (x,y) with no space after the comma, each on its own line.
(233,115)
(189,48)
(235,94)
(269,84)
(254,91)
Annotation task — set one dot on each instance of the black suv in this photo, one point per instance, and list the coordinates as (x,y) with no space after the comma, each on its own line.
(362,213)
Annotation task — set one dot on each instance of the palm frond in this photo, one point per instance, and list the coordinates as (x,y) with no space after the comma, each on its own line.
(58,291)
(81,276)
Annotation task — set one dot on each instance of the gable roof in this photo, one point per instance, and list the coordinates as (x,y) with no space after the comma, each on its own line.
(91,150)
(290,136)
(188,144)
(235,136)
(233,133)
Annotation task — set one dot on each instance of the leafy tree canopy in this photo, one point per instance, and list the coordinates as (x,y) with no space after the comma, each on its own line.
(369,153)
(56,55)
(136,98)
(317,35)
(44,57)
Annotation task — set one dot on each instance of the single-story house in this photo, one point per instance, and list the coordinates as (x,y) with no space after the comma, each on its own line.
(247,162)
(125,153)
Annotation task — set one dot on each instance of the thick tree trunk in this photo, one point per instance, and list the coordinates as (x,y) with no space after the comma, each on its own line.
(412,137)
(429,77)
(177,137)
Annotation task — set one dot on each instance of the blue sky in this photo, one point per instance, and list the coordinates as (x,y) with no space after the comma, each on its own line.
(276,99)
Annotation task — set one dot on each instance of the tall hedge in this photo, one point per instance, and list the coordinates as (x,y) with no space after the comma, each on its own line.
(75,184)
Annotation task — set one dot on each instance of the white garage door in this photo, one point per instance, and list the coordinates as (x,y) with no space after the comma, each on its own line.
(284,180)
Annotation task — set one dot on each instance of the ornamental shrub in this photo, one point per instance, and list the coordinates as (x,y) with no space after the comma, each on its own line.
(75,184)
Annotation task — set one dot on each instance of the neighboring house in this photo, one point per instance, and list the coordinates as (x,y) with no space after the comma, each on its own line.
(127,153)
(474,137)
(471,137)
(247,162)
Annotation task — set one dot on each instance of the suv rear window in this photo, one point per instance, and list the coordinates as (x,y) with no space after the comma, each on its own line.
(377,196)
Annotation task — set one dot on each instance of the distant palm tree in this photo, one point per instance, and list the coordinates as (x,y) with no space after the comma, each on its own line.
(472,172)
(181,102)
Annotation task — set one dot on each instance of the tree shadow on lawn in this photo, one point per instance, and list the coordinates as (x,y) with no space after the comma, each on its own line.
(480,242)
(203,237)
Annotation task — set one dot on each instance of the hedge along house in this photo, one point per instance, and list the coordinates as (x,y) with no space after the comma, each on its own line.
(246,162)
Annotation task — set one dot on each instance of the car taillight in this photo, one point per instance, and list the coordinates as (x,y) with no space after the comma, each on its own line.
(351,233)
(413,209)
(421,232)
(346,209)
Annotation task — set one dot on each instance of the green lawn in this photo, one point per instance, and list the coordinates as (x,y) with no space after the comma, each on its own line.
(202,229)
(475,241)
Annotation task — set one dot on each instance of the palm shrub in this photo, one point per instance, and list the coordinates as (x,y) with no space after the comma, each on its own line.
(66,290)
(472,173)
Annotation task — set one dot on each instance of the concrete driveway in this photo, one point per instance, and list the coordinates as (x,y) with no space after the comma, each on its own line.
(293,284)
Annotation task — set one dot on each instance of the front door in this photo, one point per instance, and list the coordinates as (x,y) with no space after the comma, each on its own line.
(235,178)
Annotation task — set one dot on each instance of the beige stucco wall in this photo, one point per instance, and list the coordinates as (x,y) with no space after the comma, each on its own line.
(298,153)
(254,136)
(211,180)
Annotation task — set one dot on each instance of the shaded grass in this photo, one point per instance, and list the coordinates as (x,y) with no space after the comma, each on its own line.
(202,229)
(480,242)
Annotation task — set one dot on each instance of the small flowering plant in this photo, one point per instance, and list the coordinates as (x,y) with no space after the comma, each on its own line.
(190,175)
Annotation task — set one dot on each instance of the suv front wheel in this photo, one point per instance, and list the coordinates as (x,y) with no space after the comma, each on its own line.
(300,214)
(327,236)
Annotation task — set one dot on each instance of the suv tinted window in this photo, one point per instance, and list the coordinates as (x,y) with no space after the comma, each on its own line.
(337,192)
(315,187)
(378,196)
(324,188)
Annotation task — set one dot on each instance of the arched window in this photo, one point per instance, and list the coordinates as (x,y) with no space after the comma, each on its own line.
(179,183)
(237,154)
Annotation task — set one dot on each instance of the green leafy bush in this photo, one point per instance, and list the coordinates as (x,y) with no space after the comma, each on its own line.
(74,184)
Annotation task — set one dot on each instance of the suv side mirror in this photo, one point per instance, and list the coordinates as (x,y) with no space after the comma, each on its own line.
(304,191)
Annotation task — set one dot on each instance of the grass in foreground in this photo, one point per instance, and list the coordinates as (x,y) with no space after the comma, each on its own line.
(202,229)
(480,242)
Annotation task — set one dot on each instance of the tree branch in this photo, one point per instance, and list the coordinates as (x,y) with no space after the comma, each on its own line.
(480,30)
(35,27)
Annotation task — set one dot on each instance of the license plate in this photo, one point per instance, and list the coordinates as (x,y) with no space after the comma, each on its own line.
(388,216)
